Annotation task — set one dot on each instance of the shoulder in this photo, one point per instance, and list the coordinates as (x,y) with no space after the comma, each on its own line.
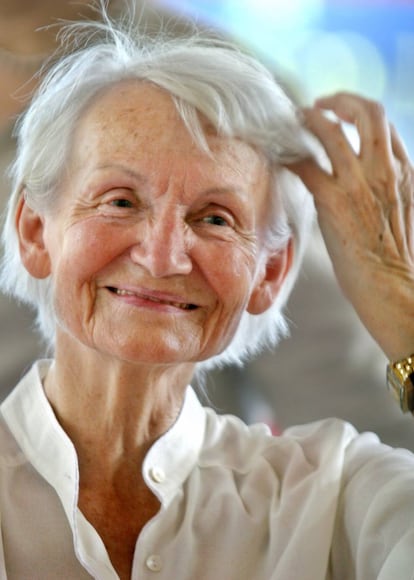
(329,446)
(374,523)
(318,445)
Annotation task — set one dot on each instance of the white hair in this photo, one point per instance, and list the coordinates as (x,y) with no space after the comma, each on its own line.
(235,92)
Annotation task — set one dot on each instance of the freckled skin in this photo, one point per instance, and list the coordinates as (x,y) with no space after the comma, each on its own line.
(131,144)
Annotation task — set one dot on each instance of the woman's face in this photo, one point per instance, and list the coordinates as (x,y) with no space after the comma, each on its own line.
(154,246)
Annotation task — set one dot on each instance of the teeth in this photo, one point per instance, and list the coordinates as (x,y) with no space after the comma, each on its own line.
(152,299)
(124,293)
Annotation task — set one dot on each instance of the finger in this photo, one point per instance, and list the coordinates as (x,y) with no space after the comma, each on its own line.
(404,171)
(319,183)
(329,193)
(341,155)
(398,146)
(376,152)
(369,118)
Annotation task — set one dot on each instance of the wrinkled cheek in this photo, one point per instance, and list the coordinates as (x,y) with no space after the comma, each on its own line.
(229,323)
(233,291)
(73,303)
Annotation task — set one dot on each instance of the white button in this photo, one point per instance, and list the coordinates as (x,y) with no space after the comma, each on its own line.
(154,563)
(157,474)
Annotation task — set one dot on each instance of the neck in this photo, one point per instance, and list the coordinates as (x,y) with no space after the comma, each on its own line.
(113,411)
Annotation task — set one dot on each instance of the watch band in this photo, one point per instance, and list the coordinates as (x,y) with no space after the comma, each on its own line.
(400,381)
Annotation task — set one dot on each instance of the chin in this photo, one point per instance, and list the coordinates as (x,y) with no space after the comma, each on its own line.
(161,355)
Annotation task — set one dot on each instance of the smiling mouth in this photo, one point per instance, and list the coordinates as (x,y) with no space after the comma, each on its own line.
(181,305)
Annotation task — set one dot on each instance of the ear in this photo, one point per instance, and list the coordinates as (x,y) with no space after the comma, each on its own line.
(269,283)
(30,230)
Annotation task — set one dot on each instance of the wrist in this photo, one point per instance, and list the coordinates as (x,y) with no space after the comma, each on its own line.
(400,381)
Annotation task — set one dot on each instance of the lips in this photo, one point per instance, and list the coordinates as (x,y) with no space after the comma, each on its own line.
(152,298)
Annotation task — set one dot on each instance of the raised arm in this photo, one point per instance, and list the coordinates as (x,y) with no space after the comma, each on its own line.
(365,212)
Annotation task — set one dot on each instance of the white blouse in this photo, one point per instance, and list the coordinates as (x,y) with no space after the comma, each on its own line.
(318,503)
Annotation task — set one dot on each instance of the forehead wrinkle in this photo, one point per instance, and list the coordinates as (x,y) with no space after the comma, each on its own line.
(136,175)
(129,126)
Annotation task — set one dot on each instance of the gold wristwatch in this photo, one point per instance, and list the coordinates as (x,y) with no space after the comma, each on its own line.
(400,381)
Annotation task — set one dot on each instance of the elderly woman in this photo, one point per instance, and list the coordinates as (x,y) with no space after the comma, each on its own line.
(155,227)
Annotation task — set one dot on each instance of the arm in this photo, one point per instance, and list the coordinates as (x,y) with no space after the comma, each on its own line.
(365,212)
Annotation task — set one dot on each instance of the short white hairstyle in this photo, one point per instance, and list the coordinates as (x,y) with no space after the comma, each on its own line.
(204,75)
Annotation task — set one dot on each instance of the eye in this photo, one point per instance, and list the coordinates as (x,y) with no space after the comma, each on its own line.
(216,220)
(122,202)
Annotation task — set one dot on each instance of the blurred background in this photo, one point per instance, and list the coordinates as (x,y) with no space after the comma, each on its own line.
(329,366)
(326,45)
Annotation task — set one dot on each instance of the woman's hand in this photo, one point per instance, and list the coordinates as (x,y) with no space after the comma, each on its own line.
(365,212)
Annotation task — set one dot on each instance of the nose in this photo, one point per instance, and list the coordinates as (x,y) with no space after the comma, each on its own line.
(164,245)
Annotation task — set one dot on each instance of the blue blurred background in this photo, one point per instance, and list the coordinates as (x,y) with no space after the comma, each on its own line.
(322,46)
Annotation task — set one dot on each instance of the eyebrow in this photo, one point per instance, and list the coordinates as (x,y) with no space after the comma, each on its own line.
(219,190)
